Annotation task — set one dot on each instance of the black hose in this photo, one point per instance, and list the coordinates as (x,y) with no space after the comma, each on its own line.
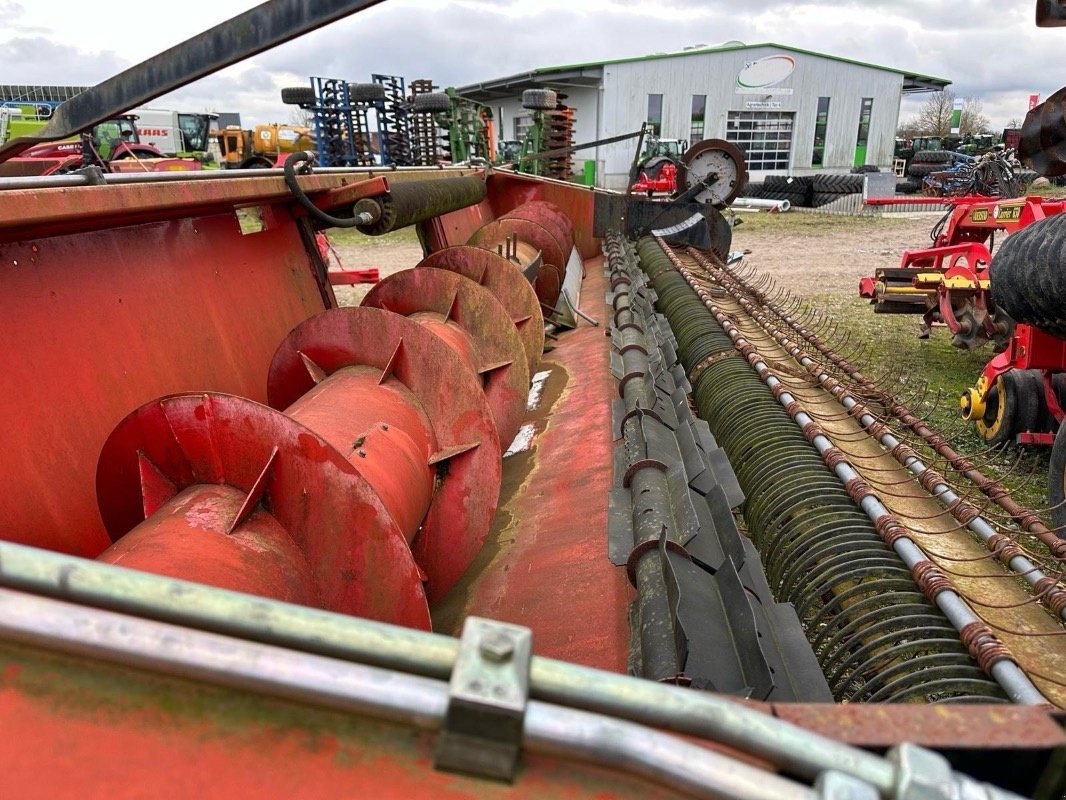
(291,164)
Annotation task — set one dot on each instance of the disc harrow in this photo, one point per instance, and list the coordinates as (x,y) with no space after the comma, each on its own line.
(907,589)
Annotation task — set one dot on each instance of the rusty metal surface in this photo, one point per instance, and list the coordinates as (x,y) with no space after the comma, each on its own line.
(71,716)
(497,274)
(497,231)
(941,726)
(338,547)
(465,305)
(451,398)
(545,564)
(1043,138)
(100,323)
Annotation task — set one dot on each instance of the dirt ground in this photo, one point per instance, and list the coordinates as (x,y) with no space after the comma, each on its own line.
(817,255)
(808,254)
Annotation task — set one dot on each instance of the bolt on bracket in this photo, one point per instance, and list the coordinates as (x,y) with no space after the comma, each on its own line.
(487,698)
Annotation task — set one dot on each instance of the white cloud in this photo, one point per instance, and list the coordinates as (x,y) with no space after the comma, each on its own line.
(990,50)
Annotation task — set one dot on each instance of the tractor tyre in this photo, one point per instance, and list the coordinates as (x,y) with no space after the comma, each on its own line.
(366,92)
(907,187)
(1033,413)
(932,157)
(824,198)
(257,162)
(432,103)
(997,425)
(922,170)
(865,168)
(540,99)
(1056,483)
(298,96)
(1028,275)
(840,184)
(776,182)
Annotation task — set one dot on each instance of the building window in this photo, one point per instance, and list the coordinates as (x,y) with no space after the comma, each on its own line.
(821,122)
(522,124)
(655,113)
(699,111)
(864,121)
(764,136)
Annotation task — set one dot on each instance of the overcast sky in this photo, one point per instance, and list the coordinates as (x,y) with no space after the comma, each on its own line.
(991,51)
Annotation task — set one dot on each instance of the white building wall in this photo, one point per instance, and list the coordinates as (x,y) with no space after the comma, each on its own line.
(620,106)
(626,87)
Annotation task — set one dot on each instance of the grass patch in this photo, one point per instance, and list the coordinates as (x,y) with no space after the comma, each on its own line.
(930,375)
(800,222)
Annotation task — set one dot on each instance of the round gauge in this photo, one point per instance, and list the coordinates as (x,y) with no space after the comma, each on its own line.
(718,166)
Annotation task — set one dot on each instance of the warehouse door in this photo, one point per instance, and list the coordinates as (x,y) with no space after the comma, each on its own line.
(764,136)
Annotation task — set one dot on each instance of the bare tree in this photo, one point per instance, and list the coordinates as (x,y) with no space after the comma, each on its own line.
(973,121)
(302,117)
(934,117)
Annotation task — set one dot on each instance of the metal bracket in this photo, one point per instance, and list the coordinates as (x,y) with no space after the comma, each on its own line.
(487,700)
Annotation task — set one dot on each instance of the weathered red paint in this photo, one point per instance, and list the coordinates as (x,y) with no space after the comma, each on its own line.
(346,554)
(549,217)
(508,191)
(498,231)
(497,274)
(451,399)
(469,317)
(99,323)
(177,739)
(546,564)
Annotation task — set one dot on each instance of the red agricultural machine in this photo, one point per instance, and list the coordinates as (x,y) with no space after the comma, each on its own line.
(948,283)
(258,543)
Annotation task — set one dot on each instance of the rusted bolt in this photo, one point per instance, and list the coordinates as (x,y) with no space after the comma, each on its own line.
(384,426)
(499,647)
(362,453)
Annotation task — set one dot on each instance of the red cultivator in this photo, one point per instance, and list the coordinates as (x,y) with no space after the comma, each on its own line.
(948,283)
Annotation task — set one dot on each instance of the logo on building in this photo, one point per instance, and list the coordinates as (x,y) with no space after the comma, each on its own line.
(760,77)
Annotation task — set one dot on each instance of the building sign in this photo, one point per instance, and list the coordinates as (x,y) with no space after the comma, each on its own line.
(762,105)
(762,76)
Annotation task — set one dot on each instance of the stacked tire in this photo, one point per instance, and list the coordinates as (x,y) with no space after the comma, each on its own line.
(827,188)
(796,190)
(926,162)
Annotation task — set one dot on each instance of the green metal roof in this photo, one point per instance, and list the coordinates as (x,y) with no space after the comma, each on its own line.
(729,47)
(590,73)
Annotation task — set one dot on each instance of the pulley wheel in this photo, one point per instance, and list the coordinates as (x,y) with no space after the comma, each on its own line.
(718,163)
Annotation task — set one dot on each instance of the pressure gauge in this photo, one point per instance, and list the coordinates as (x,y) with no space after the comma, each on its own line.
(717,165)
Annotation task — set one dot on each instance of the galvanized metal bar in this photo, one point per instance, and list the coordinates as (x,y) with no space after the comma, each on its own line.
(241,37)
(383,694)
(799,751)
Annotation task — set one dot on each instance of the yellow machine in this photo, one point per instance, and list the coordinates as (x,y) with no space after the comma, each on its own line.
(246,149)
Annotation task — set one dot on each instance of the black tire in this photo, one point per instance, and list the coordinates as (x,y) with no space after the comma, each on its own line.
(907,187)
(819,199)
(539,99)
(298,96)
(432,103)
(932,157)
(1056,478)
(365,92)
(752,189)
(866,168)
(841,184)
(1033,413)
(922,170)
(1029,275)
(257,162)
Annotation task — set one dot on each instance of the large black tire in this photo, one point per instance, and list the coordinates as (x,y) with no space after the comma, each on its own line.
(819,199)
(907,187)
(840,184)
(539,99)
(932,157)
(866,168)
(298,96)
(365,92)
(1029,275)
(922,170)
(432,103)
(1056,483)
